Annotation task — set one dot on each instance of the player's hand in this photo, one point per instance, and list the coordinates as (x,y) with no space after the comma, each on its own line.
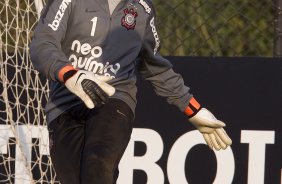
(90,88)
(212,129)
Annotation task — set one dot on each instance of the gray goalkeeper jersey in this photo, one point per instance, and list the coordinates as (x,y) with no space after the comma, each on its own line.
(85,34)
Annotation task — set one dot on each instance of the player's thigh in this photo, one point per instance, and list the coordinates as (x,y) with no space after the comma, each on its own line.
(66,132)
(108,130)
(66,137)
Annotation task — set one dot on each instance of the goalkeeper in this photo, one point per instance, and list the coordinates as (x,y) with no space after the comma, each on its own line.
(90,51)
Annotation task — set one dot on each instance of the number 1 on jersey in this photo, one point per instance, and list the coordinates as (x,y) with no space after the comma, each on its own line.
(94,20)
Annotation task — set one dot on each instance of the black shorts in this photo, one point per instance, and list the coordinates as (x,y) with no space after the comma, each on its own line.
(86,145)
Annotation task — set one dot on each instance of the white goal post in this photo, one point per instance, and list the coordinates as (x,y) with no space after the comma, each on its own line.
(24,150)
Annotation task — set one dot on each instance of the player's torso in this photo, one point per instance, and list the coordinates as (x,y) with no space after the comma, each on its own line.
(102,43)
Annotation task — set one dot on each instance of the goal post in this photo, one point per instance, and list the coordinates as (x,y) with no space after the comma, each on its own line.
(24,150)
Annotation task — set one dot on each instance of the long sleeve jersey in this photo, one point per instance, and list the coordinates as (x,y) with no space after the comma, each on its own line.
(84,33)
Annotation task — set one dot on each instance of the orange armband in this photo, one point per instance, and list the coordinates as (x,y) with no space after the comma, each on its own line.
(66,72)
(192,108)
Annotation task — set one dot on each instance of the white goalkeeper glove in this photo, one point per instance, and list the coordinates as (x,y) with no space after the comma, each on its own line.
(90,88)
(211,128)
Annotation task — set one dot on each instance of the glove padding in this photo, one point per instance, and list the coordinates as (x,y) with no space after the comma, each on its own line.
(212,129)
(90,88)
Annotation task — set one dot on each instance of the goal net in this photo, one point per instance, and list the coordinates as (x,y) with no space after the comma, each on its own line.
(24,150)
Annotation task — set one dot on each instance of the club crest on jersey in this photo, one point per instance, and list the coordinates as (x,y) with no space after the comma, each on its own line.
(128,20)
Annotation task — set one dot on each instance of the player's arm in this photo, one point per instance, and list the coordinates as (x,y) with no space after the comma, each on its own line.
(158,70)
(45,49)
(166,83)
(47,56)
